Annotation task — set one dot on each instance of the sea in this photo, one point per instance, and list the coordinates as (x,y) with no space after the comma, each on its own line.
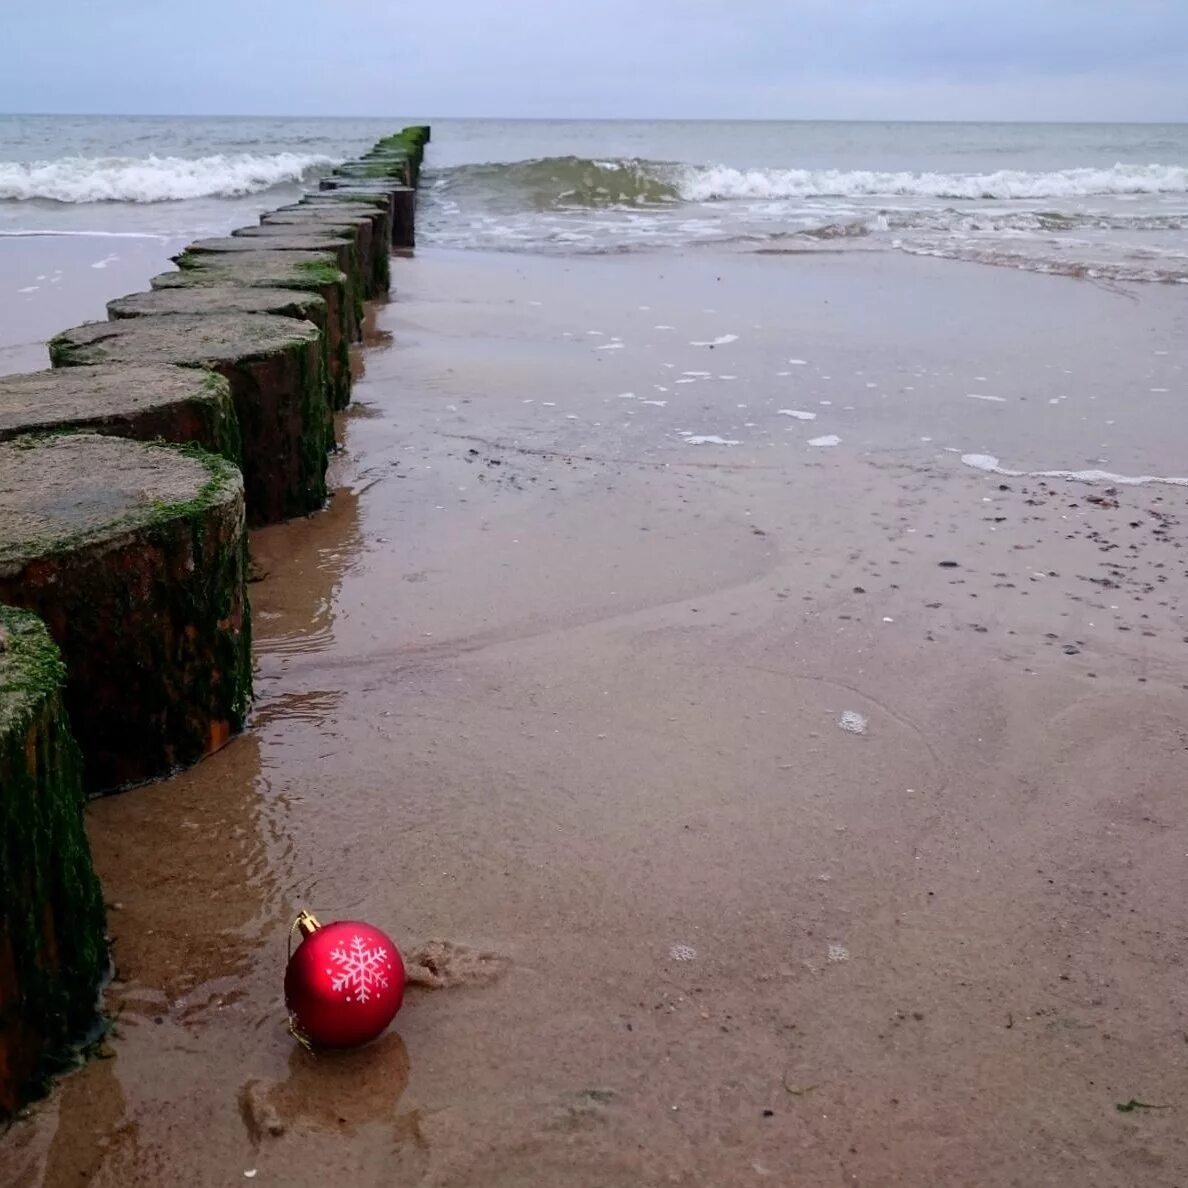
(1096,200)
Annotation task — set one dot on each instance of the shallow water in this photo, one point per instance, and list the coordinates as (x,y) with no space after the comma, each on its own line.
(1090,199)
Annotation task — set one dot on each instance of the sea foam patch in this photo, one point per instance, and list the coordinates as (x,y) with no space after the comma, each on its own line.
(990,464)
(698,439)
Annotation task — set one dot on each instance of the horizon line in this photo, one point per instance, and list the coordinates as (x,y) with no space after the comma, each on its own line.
(643,119)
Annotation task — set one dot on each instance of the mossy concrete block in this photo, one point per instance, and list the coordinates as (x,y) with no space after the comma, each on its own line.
(304,272)
(401,198)
(135,556)
(371,226)
(358,234)
(303,305)
(146,401)
(354,198)
(274,367)
(343,251)
(398,167)
(52,946)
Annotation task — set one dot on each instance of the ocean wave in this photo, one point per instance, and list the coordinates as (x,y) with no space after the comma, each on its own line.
(561,183)
(568,183)
(717,182)
(153,179)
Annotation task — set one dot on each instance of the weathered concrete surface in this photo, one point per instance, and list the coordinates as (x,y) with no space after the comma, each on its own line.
(402,199)
(357,233)
(397,167)
(52,947)
(303,305)
(352,196)
(371,224)
(409,141)
(305,272)
(274,367)
(135,557)
(344,252)
(145,401)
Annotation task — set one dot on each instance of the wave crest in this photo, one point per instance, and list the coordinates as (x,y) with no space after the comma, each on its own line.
(563,183)
(718,182)
(566,183)
(153,179)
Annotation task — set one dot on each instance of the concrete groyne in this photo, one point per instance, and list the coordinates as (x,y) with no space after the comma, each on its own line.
(129,474)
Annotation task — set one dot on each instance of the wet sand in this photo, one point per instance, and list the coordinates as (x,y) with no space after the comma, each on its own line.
(51,282)
(793,814)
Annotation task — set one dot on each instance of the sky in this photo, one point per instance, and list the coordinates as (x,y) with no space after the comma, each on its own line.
(778,59)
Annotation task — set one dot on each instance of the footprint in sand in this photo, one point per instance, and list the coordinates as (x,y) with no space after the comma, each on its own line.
(442,965)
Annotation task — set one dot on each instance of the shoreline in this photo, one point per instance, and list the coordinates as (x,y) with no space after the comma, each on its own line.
(132,468)
(697,928)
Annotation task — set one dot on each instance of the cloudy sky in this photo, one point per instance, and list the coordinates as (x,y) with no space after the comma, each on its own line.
(849,59)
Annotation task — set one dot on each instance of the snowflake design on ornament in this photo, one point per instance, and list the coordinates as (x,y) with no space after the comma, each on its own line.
(361,971)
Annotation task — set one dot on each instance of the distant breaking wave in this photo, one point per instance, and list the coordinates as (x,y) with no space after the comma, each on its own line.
(153,179)
(716,182)
(561,183)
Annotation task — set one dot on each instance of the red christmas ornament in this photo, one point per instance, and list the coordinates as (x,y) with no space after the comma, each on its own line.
(344,984)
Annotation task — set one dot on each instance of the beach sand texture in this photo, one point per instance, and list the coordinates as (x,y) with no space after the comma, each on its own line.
(758,812)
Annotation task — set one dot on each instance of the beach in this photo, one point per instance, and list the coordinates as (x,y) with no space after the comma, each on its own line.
(786,811)
(750,686)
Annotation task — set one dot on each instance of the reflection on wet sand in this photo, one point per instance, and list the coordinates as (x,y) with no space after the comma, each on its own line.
(786,819)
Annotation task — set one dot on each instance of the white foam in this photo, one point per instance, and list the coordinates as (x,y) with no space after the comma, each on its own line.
(794,412)
(39,234)
(979,396)
(708,439)
(798,362)
(153,179)
(852,722)
(697,374)
(710,183)
(990,464)
(830,439)
(657,403)
(721,340)
(626,395)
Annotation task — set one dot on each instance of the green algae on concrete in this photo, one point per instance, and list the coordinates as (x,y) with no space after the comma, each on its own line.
(402,200)
(357,233)
(370,226)
(398,168)
(135,556)
(145,401)
(354,197)
(274,368)
(52,946)
(346,257)
(305,272)
(303,305)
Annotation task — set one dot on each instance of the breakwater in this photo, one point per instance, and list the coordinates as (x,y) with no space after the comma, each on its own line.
(130,472)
